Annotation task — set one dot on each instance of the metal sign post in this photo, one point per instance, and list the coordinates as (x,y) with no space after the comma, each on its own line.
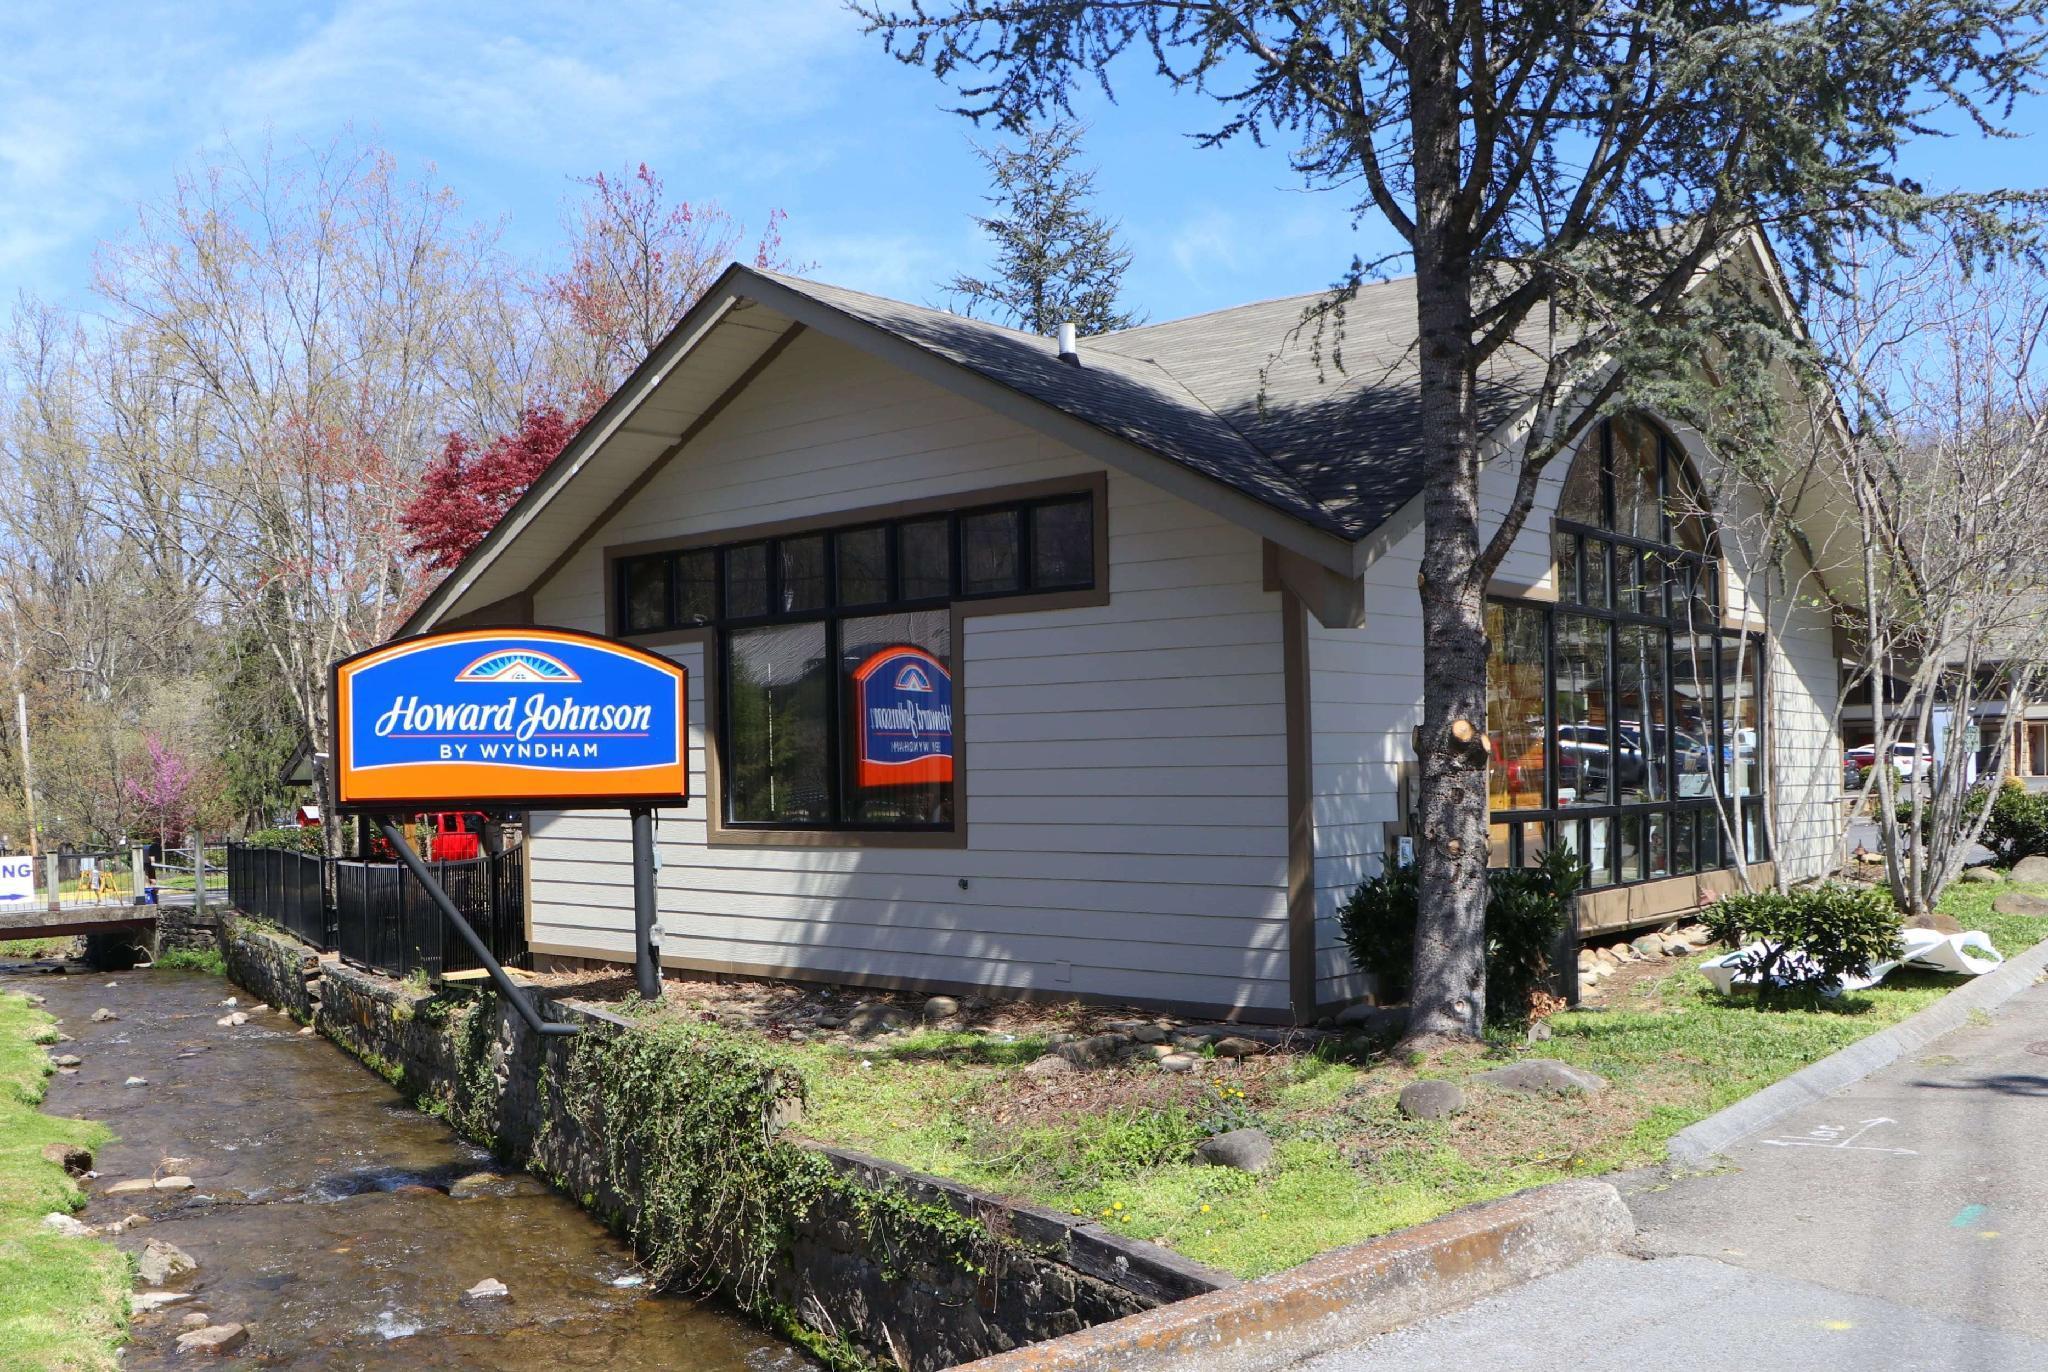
(497,719)
(646,952)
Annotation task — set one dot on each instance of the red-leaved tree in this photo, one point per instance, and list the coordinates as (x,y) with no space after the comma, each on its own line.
(467,490)
(637,262)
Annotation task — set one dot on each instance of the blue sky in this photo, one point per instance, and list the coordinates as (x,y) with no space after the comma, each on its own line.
(769,103)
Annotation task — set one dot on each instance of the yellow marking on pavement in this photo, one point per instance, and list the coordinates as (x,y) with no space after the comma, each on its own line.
(1836,1326)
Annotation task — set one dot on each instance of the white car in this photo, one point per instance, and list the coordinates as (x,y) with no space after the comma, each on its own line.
(1910,762)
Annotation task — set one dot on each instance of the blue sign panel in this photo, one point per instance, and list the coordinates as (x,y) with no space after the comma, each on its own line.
(904,697)
(509,717)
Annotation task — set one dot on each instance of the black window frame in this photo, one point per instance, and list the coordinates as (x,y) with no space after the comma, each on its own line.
(1746,812)
(833,613)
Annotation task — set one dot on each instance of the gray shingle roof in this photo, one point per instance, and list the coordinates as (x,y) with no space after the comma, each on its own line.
(1237,395)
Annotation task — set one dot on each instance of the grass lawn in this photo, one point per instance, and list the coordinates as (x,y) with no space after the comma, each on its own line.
(34,947)
(63,1302)
(1111,1143)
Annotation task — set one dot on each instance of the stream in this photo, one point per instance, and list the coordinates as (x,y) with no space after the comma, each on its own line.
(321,1215)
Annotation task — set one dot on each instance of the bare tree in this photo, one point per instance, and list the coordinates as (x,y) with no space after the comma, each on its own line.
(1947,465)
(299,312)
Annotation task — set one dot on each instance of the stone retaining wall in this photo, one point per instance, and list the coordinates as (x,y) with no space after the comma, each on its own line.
(273,966)
(1055,1275)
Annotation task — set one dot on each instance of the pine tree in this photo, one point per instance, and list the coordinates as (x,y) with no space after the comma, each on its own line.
(1057,260)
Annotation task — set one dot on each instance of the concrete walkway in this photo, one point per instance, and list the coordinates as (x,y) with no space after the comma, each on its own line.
(1902,1224)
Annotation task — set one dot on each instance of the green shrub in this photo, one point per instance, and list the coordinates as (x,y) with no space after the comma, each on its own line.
(1911,815)
(2018,826)
(1809,939)
(1378,926)
(1527,908)
(193,960)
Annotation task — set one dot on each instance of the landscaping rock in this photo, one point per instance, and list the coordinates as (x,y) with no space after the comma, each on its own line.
(136,1081)
(1539,1032)
(2021,903)
(489,1289)
(131,1187)
(1093,1051)
(868,1021)
(1235,1047)
(67,1226)
(216,1340)
(2033,868)
(198,1319)
(179,1182)
(69,1156)
(67,1060)
(940,1007)
(1148,1033)
(1649,946)
(1543,1076)
(162,1260)
(1373,1019)
(1984,875)
(1432,1100)
(1051,1065)
(143,1302)
(1247,1150)
(1179,1062)
(103,1014)
(1945,924)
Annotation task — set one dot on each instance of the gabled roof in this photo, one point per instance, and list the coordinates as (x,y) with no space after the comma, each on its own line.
(1233,409)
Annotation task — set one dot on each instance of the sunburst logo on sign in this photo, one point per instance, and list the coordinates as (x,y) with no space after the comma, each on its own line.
(516,667)
(913,678)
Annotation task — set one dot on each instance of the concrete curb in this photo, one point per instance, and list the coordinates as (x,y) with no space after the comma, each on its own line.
(1697,1145)
(1349,1295)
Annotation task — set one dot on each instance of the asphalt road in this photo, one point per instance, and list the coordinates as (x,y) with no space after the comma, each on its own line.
(1901,1225)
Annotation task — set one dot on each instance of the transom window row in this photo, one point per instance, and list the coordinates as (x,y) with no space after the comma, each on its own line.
(1011,549)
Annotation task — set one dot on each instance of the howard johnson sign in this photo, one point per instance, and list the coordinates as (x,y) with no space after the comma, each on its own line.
(509,717)
(905,711)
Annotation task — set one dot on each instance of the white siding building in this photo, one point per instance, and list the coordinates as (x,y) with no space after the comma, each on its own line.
(1175,609)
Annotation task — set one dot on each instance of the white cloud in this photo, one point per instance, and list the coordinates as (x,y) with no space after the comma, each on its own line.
(1209,241)
(98,106)
(902,266)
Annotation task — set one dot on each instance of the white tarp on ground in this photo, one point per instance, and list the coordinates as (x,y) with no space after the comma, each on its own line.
(1968,954)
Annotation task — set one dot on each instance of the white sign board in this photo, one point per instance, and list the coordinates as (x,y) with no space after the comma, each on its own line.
(17,880)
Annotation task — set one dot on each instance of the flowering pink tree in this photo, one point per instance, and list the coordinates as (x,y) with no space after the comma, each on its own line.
(163,791)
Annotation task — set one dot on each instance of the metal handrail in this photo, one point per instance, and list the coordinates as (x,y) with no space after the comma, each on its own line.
(511,989)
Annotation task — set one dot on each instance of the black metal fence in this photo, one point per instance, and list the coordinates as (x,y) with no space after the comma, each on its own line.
(283,887)
(380,917)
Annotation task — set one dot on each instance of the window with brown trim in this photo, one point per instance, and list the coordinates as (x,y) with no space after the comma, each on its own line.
(835,653)
(1626,723)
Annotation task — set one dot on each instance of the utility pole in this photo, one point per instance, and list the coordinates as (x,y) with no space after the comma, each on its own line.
(28,776)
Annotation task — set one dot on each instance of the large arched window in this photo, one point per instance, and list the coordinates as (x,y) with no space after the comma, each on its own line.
(1625,722)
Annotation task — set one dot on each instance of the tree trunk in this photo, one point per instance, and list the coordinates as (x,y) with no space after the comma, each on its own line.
(1448,996)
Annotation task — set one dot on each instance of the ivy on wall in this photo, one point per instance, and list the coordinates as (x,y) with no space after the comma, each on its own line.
(685,1119)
